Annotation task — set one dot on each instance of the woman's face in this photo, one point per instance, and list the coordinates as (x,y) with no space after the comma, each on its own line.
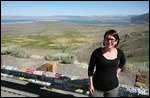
(110,41)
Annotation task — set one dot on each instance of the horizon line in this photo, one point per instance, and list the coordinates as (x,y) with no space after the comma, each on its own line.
(72,15)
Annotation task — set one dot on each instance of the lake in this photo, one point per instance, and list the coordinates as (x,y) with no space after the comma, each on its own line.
(18,20)
(73,21)
(96,22)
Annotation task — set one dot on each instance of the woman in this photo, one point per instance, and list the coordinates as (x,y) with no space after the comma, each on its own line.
(109,61)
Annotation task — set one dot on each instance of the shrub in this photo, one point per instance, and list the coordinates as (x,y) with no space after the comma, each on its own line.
(69,59)
(65,58)
(130,55)
(59,56)
(16,51)
(49,57)
(7,50)
(4,51)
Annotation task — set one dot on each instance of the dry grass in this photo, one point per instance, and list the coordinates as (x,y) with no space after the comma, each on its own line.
(136,46)
(142,67)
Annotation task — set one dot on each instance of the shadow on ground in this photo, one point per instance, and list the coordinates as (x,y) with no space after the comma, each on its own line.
(33,88)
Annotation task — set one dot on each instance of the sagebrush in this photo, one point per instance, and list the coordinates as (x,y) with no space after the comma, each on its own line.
(14,50)
(65,58)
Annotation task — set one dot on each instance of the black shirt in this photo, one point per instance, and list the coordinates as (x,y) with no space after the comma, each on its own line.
(105,77)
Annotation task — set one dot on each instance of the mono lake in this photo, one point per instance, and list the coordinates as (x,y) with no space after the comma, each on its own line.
(67,20)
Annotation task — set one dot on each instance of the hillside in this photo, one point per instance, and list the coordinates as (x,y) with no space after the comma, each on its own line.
(134,44)
(140,19)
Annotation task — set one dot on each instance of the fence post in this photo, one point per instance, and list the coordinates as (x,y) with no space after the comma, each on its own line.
(50,67)
(54,67)
(2,60)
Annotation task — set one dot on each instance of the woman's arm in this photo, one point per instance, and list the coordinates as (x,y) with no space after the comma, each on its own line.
(90,72)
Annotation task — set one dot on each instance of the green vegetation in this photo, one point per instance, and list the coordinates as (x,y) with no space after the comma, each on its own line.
(69,32)
(62,42)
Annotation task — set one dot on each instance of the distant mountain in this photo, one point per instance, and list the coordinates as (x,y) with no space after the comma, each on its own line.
(91,17)
(140,19)
(24,17)
(111,18)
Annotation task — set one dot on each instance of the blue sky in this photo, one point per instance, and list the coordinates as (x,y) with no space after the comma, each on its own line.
(80,8)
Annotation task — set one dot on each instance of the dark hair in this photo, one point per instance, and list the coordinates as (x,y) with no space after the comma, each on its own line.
(112,33)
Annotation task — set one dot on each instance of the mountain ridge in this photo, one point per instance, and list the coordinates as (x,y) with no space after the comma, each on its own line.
(140,19)
(134,19)
(91,17)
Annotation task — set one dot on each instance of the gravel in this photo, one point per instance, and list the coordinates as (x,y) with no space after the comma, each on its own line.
(28,63)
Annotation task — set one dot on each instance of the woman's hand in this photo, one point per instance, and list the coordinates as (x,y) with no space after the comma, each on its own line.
(91,90)
(117,75)
(118,71)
